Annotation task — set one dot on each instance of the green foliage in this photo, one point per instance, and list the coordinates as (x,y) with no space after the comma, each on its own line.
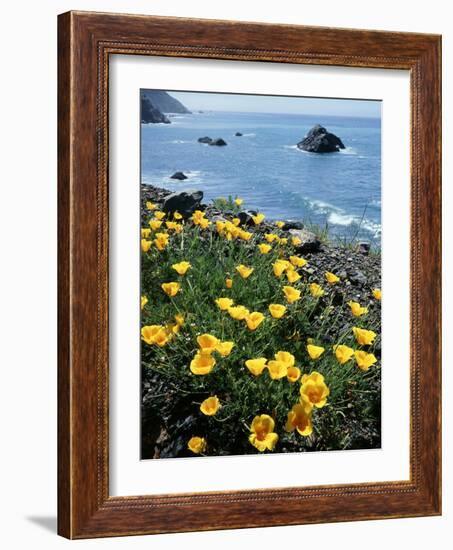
(351,418)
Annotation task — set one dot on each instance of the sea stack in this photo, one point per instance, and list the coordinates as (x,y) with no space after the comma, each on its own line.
(319,140)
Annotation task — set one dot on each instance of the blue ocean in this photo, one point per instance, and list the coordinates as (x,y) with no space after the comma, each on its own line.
(267,170)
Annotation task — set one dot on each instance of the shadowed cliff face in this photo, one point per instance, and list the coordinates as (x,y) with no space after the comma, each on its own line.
(164,102)
(150,114)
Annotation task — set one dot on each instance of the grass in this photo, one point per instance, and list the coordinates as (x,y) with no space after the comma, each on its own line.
(173,393)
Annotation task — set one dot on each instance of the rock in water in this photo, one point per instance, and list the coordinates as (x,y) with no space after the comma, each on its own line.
(219,142)
(149,113)
(178,176)
(185,202)
(238,134)
(319,140)
(205,139)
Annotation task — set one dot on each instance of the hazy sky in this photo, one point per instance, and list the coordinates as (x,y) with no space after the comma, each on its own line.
(278,104)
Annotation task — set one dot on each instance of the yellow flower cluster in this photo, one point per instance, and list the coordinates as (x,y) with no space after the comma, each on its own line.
(232,230)
(160,335)
(204,361)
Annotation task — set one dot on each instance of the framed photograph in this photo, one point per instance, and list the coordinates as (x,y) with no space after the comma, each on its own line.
(249,275)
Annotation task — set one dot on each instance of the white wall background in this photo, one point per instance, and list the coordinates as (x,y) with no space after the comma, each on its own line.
(28,269)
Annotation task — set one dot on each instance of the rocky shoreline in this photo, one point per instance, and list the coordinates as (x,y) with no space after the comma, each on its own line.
(359,270)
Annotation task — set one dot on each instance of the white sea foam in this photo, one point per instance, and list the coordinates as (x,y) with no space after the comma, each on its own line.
(348,151)
(338,216)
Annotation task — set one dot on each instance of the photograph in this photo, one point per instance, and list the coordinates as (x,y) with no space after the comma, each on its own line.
(260,300)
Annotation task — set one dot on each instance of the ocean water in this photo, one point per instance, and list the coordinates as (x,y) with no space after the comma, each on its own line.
(265,168)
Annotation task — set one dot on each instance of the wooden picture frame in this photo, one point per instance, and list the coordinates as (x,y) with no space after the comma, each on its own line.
(85,41)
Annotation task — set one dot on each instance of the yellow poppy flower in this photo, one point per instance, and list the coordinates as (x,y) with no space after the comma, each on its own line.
(202,364)
(179,318)
(177,215)
(245,235)
(271,237)
(155,224)
(263,436)
(316,290)
(145,233)
(283,241)
(155,334)
(364,337)
(285,357)
(224,303)
(292,276)
(297,261)
(159,215)
(150,205)
(256,366)
(149,333)
(377,294)
(172,328)
(364,359)
(171,289)
(331,278)
(143,301)
(258,218)
(277,310)
(280,266)
(299,418)
(207,343)
(146,245)
(220,226)
(181,267)
(280,224)
(277,369)
(244,271)
(313,390)
(197,445)
(197,216)
(210,406)
(236,221)
(296,241)
(254,320)
(171,225)
(314,351)
(343,353)
(204,223)
(238,312)
(224,348)
(238,201)
(264,248)
(356,309)
(161,240)
(228,282)
(291,294)
(293,374)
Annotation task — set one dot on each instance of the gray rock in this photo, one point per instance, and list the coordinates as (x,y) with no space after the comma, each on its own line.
(218,141)
(363,248)
(205,139)
(292,224)
(178,176)
(310,242)
(358,278)
(319,140)
(238,134)
(185,202)
(245,217)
